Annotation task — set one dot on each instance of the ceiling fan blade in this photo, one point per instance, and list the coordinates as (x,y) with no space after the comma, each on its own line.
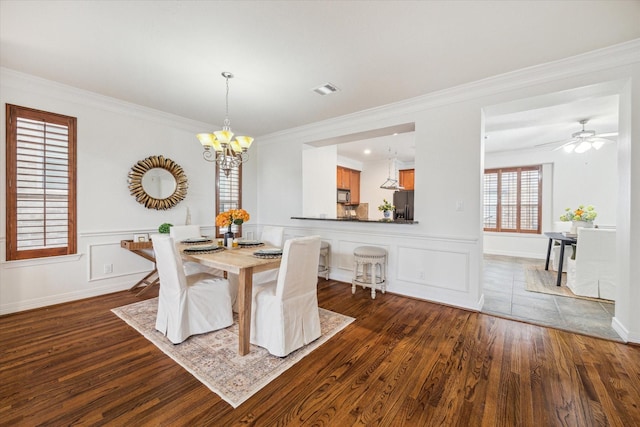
(597,138)
(569,142)
(604,135)
(561,141)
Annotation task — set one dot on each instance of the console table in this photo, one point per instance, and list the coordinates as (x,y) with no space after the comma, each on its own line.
(142,249)
(564,241)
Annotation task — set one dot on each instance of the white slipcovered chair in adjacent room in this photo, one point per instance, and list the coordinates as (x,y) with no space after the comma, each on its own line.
(560,226)
(184,232)
(284,313)
(593,271)
(188,305)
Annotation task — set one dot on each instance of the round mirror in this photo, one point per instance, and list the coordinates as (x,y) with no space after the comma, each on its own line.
(157,183)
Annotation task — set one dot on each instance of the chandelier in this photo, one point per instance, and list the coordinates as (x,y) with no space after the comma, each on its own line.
(220,146)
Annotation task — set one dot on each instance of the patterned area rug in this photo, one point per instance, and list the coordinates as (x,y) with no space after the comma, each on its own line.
(213,358)
(544,281)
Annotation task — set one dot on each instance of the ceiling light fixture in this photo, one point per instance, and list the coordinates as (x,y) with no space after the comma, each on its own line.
(392,182)
(220,147)
(584,140)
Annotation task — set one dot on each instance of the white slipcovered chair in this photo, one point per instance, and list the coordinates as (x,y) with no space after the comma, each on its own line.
(271,236)
(284,313)
(183,232)
(188,305)
(593,271)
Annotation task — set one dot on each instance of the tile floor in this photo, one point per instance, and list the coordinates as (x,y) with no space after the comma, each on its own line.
(505,296)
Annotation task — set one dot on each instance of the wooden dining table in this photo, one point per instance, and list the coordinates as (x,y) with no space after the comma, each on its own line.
(242,262)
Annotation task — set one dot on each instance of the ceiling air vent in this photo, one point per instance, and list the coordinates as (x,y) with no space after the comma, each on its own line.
(326,89)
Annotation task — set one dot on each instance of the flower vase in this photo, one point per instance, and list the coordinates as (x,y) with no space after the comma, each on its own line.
(228,237)
(387,214)
(577,224)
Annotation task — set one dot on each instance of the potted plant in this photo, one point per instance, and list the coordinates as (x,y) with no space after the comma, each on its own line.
(580,217)
(386,207)
(164,228)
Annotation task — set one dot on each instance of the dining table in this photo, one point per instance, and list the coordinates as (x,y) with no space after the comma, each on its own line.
(244,263)
(564,240)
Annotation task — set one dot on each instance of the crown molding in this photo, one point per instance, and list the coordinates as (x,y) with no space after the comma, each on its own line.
(615,56)
(32,84)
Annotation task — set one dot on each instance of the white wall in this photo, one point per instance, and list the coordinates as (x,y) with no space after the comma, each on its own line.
(319,181)
(569,180)
(374,173)
(112,137)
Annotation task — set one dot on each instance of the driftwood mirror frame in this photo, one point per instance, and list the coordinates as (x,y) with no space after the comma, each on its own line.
(137,190)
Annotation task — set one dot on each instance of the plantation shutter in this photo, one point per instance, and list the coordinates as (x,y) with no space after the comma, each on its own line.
(229,192)
(529,200)
(513,199)
(41,182)
(509,201)
(491,201)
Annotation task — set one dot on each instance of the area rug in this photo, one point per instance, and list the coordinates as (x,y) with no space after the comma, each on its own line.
(213,357)
(537,279)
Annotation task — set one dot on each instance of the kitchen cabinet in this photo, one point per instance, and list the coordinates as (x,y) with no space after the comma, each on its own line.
(344,178)
(355,187)
(407,178)
(349,179)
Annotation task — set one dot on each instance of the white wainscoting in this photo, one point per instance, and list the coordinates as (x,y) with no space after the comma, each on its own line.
(434,268)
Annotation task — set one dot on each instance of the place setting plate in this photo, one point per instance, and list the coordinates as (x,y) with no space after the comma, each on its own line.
(249,243)
(268,253)
(195,240)
(203,249)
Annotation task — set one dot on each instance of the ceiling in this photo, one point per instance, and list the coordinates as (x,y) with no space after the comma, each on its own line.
(169,55)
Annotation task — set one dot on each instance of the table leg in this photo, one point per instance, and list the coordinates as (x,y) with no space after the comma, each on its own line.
(560,262)
(546,265)
(245,285)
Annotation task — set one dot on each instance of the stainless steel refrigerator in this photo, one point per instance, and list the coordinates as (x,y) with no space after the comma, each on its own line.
(403,201)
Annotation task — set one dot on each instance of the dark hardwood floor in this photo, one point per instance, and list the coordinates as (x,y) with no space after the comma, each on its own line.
(402,362)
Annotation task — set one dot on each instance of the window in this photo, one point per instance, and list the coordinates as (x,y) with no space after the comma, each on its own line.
(513,199)
(228,193)
(41,183)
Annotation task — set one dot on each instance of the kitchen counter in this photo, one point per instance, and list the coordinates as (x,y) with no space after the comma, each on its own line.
(380,221)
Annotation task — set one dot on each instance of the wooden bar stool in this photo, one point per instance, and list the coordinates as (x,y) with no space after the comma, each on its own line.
(370,269)
(325,260)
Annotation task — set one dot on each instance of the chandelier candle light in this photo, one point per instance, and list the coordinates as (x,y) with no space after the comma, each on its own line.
(220,147)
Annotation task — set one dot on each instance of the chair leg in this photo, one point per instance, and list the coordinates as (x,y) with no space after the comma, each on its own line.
(373,280)
(353,282)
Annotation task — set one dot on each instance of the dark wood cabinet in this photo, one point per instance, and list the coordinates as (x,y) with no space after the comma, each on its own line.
(407,179)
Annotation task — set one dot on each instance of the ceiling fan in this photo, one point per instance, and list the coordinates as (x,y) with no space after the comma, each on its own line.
(582,140)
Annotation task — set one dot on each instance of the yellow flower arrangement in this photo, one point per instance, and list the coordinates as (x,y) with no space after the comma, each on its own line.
(587,214)
(232,216)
